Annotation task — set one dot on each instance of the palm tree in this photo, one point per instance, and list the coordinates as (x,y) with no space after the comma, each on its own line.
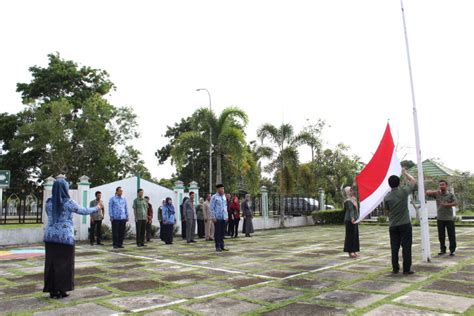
(287,157)
(228,136)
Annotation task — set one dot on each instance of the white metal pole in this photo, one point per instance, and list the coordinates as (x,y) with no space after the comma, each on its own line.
(425,233)
(210,140)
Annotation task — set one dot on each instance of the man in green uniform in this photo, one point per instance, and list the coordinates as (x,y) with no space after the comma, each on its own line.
(140,210)
(445,201)
(396,207)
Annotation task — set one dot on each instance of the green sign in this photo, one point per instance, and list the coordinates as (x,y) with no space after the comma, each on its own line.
(4,178)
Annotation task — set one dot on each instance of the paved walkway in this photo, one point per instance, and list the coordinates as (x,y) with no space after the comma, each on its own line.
(299,271)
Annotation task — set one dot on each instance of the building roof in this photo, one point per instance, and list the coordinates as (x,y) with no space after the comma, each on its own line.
(432,169)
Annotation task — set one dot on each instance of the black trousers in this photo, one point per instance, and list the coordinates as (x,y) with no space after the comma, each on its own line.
(450,227)
(148,231)
(58,268)
(200,223)
(183,229)
(401,236)
(230,227)
(118,232)
(236,222)
(95,231)
(161,230)
(219,232)
(167,233)
(140,231)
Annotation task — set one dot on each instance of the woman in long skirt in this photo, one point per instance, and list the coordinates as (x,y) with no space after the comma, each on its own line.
(59,240)
(246,206)
(351,243)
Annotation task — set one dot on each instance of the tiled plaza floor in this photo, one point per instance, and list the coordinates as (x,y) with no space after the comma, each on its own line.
(298,271)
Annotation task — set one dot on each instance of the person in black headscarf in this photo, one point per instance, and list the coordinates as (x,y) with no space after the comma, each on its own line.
(59,240)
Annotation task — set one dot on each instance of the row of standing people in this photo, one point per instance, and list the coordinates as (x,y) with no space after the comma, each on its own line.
(143,213)
(202,215)
(400,227)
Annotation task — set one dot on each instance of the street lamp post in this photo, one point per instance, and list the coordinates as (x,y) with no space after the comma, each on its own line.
(210,140)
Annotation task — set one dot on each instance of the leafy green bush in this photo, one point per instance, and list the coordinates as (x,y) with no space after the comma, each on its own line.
(328,217)
(154,231)
(382,219)
(106,232)
(128,232)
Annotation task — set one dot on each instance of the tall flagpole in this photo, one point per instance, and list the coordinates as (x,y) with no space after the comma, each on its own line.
(425,233)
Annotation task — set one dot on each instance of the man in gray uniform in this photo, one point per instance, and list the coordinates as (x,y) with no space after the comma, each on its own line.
(190,217)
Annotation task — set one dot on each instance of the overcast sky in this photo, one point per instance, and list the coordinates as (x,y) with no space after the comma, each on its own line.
(342,61)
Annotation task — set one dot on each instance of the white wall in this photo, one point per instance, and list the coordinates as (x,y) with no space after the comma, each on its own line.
(156,193)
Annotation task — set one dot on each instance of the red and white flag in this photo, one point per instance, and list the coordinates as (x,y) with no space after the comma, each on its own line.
(372,182)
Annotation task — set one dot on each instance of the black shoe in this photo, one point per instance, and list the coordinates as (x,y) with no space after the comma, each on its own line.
(92,244)
(219,250)
(193,241)
(225,249)
(441,253)
(100,244)
(121,246)
(54,294)
(408,272)
(395,271)
(116,247)
(452,254)
(63,295)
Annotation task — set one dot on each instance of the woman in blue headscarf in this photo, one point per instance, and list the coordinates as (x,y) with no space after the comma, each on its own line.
(59,240)
(169,219)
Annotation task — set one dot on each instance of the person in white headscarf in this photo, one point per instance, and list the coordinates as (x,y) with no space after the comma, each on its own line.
(351,243)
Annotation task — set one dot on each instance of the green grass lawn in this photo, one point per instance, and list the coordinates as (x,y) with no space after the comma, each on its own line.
(16,226)
(466,213)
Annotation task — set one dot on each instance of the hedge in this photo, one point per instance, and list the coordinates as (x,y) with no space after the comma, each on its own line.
(329,217)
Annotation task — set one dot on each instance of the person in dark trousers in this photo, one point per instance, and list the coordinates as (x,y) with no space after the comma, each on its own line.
(118,212)
(95,232)
(160,218)
(183,219)
(246,206)
(445,201)
(235,210)
(149,219)
(59,240)
(140,210)
(351,242)
(200,218)
(230,225)
(219,217)
(190,217)
(169,220)
(396,207)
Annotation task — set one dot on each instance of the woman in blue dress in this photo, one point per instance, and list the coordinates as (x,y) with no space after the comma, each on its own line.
(59,240)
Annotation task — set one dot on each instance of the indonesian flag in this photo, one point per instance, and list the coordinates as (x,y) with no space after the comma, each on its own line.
(372,182)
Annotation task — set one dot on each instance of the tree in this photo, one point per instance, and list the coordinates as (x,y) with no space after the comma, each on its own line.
(69,127)
(287,158)
(311,136)
(228,137)
(335,169)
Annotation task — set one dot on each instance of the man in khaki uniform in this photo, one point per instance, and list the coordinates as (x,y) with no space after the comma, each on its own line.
(445,201)
(140,210)
(396,207)
(96,220)
(208,223)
